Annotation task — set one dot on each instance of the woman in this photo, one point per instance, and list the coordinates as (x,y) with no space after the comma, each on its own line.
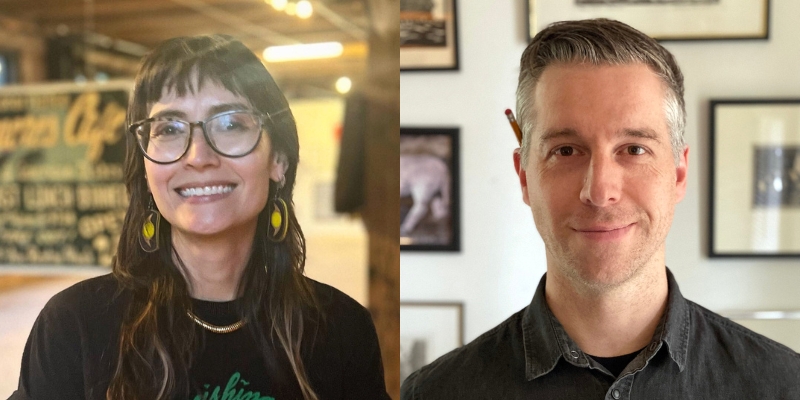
(207,299)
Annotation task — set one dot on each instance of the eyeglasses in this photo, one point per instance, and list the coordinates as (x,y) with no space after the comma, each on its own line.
(165,140)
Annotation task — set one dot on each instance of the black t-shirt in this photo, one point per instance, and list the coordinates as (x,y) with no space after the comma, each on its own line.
(73,348)
(616,364)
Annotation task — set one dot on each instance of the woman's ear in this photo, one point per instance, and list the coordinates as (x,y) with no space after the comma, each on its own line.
(278,167)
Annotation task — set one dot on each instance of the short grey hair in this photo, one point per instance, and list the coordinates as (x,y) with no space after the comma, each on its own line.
(598,42)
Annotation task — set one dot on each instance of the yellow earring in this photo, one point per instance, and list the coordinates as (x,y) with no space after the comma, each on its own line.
(279,217)
(279,220)
(148,240)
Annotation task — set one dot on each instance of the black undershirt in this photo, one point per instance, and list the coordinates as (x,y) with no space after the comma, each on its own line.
(617,364)
(216,312)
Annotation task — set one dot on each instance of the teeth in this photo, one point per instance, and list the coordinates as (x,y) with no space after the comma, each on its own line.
(205,191)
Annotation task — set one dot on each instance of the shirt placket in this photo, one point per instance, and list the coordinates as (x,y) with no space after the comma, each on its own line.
(621,389)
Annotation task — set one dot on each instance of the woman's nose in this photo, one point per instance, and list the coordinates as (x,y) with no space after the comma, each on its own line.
(200,154)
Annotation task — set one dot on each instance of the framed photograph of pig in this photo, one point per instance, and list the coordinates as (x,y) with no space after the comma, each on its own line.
(429,196)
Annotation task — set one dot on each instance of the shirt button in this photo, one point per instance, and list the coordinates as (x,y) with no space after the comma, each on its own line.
(574,354)
(615,393)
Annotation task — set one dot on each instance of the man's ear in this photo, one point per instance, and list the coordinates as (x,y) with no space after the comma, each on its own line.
(280,164)
(682,174)
(523,177)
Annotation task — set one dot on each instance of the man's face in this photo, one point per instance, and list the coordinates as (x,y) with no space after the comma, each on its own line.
(601,178)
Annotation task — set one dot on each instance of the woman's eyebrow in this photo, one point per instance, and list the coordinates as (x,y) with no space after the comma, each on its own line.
(220,108)
(214,110)
(169,114)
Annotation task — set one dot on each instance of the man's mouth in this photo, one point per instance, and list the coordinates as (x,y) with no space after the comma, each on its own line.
(600,229)
(205,190)
(604,233)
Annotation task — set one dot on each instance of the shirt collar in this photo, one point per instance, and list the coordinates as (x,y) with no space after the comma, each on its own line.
(675,329)
(545,340)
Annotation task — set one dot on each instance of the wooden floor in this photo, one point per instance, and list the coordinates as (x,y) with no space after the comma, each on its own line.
(21,299)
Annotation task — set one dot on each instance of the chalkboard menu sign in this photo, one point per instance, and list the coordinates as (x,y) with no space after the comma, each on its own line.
(62,197)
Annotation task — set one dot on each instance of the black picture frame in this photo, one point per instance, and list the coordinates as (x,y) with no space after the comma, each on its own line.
(428,35)
(428,330)
(754,179)
(429,180)
(666,20)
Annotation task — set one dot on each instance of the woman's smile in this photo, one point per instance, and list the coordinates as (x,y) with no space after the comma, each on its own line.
(205,190)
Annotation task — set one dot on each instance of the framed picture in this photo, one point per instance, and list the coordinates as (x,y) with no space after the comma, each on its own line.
(428,35)
(429,197)
(663,19)
(428,330)
(780,326)
(755,178)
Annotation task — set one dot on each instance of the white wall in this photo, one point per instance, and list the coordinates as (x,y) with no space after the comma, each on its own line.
(503,256)
(336,244)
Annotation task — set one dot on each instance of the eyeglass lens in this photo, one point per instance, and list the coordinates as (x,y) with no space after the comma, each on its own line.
(230,134)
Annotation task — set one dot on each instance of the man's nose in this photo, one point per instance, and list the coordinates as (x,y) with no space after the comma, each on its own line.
(602,183)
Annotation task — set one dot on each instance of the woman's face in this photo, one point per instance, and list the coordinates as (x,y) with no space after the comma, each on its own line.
(238,188)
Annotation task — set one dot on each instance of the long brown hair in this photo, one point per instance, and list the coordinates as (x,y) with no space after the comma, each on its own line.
(157,340)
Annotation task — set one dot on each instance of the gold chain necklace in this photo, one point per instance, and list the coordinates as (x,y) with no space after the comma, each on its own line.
(215,328)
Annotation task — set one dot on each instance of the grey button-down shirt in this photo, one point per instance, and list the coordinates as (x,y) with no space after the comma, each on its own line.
(694,354)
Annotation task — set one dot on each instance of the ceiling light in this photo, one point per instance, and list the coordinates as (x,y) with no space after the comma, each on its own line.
(279,5)
(291,9)
(303,51)
(343,85)
(304,9)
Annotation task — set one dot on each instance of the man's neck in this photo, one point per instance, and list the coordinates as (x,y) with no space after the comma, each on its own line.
(611,322)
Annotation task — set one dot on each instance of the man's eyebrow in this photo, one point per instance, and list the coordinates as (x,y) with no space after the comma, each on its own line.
(557,133)
(645,133)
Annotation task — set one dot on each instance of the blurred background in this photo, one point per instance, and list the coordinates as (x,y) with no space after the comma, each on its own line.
(65,70)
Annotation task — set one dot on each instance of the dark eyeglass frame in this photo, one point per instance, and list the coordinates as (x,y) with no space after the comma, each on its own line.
(263,120)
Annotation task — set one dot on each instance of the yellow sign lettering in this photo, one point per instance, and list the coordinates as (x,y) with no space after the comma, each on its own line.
(85,126)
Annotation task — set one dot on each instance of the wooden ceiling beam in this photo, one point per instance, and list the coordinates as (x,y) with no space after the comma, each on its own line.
(193,22)
(75,11)
(167,15)
(43,7)
(149,22)
(147,33)
(118,12)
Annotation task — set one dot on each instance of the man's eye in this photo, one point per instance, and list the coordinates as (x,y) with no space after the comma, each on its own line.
(565,151)
(636,150)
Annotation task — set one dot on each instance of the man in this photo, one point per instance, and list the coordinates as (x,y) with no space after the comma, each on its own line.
(602,165)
